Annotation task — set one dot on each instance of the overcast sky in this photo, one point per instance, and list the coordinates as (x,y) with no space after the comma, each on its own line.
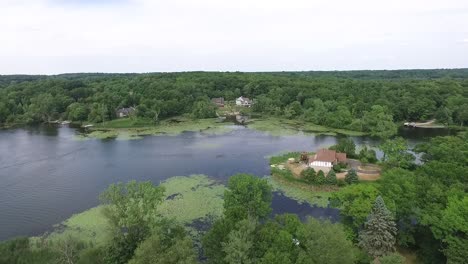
(58,36)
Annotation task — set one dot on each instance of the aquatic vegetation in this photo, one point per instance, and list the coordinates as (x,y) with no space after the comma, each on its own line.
(301,192)
(192,198)
(90,226)
(282,127)
(124,129)
(188,199)
(273,126)
(80,137)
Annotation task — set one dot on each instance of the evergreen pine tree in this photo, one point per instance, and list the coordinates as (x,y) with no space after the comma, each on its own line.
(351,177)
(321,177)
(331,178)
(309,175)
(379,234)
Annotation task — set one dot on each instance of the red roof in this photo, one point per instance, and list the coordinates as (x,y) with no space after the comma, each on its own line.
(328,155)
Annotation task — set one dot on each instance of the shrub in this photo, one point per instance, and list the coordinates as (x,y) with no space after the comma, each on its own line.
(309,175)
(320,178)
(340,183)
(331,178)
(367,155)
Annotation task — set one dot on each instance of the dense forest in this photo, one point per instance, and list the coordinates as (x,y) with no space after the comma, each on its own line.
(368,101)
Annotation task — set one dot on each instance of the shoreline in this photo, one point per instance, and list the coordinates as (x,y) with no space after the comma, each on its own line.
(177,125)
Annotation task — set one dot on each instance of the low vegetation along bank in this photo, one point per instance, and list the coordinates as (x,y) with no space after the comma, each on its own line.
(129,128)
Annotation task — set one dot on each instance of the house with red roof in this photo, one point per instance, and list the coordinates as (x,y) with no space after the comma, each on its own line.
(327,158)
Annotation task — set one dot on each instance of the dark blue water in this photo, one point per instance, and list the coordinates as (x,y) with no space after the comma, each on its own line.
(46,175)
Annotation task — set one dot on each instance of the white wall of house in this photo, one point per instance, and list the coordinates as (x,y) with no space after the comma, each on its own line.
(321,164)
(242,102)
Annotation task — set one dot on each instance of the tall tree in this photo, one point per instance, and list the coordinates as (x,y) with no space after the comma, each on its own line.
(247,196)
(132,211)
(346,145)
(378,237)
(379,123)
(351,177)
(168,244)
(396,153)
(239,247)
(324,242)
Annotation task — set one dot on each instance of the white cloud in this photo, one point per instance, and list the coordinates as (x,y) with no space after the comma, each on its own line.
(49,36)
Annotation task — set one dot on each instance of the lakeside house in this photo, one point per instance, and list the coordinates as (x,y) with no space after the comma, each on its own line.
(243,101)
(218,101)
(326,158)
(124,112)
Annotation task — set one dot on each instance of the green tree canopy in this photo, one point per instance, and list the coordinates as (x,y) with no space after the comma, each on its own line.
(396,153)
(323,242)
(247,196)
(378,237)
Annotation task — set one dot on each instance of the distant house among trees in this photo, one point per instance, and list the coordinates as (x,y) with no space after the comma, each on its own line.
(327,158)
(125,112)
(243,101)
(218,101)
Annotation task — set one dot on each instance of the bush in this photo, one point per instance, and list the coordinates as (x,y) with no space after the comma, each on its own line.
(339,167)
(340,183)
(309,175)
(320,178)
(367,155)
(331,178)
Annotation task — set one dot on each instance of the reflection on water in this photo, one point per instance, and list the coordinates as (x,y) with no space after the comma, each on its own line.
(46,176)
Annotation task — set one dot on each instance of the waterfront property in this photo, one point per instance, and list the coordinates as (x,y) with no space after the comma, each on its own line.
(125,112)
(243,101)
(324,159)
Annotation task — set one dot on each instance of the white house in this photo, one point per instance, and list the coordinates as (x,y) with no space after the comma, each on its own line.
(243,101)
(327,158)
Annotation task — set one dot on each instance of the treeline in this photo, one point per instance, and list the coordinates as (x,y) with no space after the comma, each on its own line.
(368,101)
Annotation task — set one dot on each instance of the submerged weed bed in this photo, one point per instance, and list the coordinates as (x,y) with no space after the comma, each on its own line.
(126,129)
(283,127)
(301,192)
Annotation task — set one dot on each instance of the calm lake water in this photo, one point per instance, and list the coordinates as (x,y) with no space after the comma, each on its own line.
(46,175)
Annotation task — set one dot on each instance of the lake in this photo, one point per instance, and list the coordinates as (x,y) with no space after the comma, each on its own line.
(46,175)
